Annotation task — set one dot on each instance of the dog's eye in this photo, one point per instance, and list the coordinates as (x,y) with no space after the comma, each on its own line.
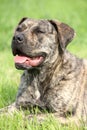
(39,30)
(19,29)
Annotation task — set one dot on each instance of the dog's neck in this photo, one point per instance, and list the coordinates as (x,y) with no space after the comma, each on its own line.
(41,77)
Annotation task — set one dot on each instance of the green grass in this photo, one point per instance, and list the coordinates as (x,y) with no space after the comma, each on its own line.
(72,12)
(16,122)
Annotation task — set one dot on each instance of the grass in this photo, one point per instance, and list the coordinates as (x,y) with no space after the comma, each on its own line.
(17,123)
(72,12)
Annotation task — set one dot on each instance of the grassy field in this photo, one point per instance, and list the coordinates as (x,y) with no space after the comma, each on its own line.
(72,12)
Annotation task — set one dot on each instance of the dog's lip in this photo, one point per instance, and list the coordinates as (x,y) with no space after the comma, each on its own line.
(29,61)
(30,55)
(35,61)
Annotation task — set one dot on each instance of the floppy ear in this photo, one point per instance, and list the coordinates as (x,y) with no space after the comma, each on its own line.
(22,20)
(65,33)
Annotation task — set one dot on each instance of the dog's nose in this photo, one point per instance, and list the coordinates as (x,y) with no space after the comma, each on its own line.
(19,38)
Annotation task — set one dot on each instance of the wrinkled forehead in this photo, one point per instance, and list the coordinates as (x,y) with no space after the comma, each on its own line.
(43,24)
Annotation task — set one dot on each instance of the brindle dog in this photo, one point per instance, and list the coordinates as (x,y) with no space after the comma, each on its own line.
(53,79)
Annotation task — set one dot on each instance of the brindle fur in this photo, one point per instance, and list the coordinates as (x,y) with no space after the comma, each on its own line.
(60,83)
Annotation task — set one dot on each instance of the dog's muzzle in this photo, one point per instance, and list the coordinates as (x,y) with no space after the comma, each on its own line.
(19,38)
(25,59)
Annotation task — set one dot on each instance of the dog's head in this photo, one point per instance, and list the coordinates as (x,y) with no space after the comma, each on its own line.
(39,42)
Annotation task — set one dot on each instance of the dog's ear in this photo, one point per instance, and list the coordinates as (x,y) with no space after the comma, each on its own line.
(22,20)
(65,33)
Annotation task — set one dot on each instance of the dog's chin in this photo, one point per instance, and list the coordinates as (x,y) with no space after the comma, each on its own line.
(22,66)
(23,62)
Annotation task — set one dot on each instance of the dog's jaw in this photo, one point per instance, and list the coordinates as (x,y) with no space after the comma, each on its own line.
(24,62)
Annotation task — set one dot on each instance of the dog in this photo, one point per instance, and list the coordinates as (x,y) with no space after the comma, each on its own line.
(53,78)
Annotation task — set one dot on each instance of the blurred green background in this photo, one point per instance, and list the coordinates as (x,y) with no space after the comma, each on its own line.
(72,12)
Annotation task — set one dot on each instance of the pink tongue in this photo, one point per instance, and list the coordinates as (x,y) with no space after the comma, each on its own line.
(28,61)
(20,59)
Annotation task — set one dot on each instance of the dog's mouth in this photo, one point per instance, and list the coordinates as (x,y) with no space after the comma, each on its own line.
(26,62)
